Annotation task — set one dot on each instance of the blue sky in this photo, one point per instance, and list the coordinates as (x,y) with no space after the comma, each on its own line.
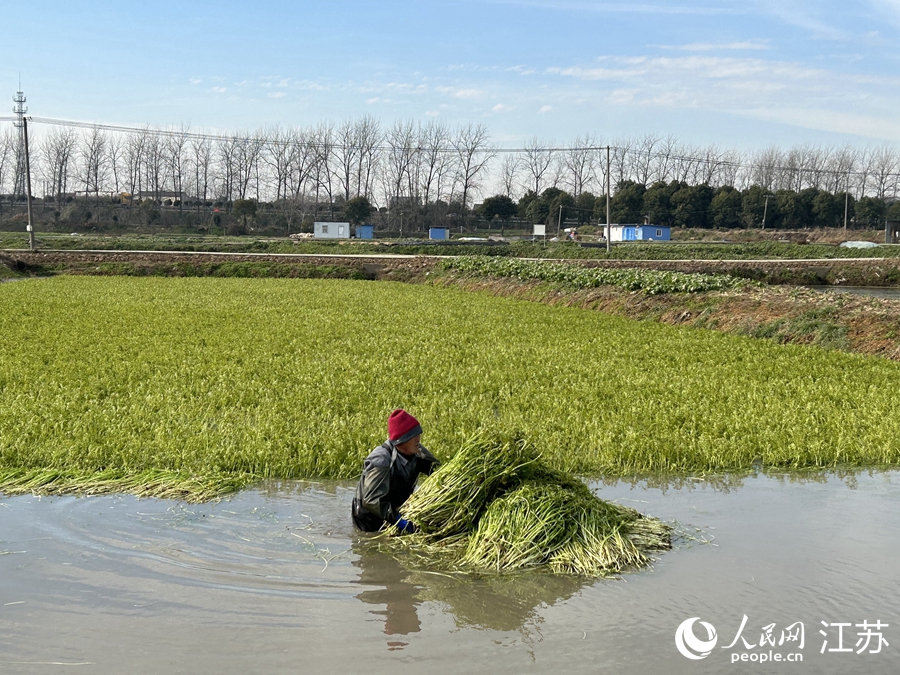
(738,74)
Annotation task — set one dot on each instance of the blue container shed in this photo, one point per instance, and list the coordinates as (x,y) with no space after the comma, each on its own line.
(653,233)
(365,232)
(438,233)
(641,233)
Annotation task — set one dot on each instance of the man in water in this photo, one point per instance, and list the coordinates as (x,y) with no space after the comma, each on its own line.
(389,476)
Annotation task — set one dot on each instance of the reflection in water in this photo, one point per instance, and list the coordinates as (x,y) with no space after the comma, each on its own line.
(394,592)
(499,602)
(502,602)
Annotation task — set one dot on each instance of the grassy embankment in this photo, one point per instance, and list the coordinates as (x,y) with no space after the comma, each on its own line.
(190,387)
(688,250)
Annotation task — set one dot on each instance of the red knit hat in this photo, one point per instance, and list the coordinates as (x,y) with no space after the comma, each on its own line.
(402,426)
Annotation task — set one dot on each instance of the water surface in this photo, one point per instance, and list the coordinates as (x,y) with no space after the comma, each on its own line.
(275,580)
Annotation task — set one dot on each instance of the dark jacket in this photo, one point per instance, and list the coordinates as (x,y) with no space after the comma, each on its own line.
(387,481)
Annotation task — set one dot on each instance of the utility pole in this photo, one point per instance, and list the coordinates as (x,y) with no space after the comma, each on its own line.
(19,110)
(846,204)
(765,210)
(608,229)
(846,200)
(30,226)
(559,221)
(23,162)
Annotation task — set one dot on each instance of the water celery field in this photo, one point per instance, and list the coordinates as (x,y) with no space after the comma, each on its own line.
(199,385)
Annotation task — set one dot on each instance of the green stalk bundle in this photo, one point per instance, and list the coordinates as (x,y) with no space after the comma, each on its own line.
(150,483)
(494,507)
(449,502)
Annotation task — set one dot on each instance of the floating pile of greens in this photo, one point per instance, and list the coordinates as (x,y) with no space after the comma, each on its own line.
(496,507)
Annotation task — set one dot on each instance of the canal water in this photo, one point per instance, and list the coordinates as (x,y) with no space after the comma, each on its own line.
(275,580)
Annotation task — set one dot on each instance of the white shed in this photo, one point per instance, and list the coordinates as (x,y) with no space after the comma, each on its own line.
(331,230)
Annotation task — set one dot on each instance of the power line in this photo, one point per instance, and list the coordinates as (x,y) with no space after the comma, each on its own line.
(622,151)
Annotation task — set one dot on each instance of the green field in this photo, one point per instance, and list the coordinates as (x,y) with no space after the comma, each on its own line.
(217,378)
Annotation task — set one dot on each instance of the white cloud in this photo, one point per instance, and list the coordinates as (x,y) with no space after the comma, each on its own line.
(372,100)
(276,94)
(432,113)
(622,96)
(195,80)
(774,90)
(219,90)
(468,93)
(501,108)
(720,8)
(873,126)
(718,46)
(545,109)
(804,15)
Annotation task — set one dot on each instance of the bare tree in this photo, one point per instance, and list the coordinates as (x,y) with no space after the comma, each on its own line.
(279,155)
(323,169)
(115,152)
(202,165)
(537,159)
(58,150)
(619,161)
(842,163)
(399,161)
(155,164)
(8,142)
(94,160)
(368,136)
(346,156)
(305,157)
(473,153)
(883,162)
(644,164)
(249,149)
(665,154)
(437,160)
(135,147)
(176,145)
(509,174)
(730,169)
(764,171)
(580,165)
(226,178)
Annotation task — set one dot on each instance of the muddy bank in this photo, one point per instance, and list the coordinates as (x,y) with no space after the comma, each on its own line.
(177,264)
(850,272)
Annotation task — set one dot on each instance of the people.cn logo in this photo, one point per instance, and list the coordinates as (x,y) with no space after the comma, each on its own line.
(689,645)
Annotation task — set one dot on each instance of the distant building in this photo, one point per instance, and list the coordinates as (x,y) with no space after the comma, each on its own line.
(640,233)
(365,232)
(162,196)
(331,230)
(438,233)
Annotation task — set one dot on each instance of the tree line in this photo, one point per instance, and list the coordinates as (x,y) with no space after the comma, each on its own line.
(430,173)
